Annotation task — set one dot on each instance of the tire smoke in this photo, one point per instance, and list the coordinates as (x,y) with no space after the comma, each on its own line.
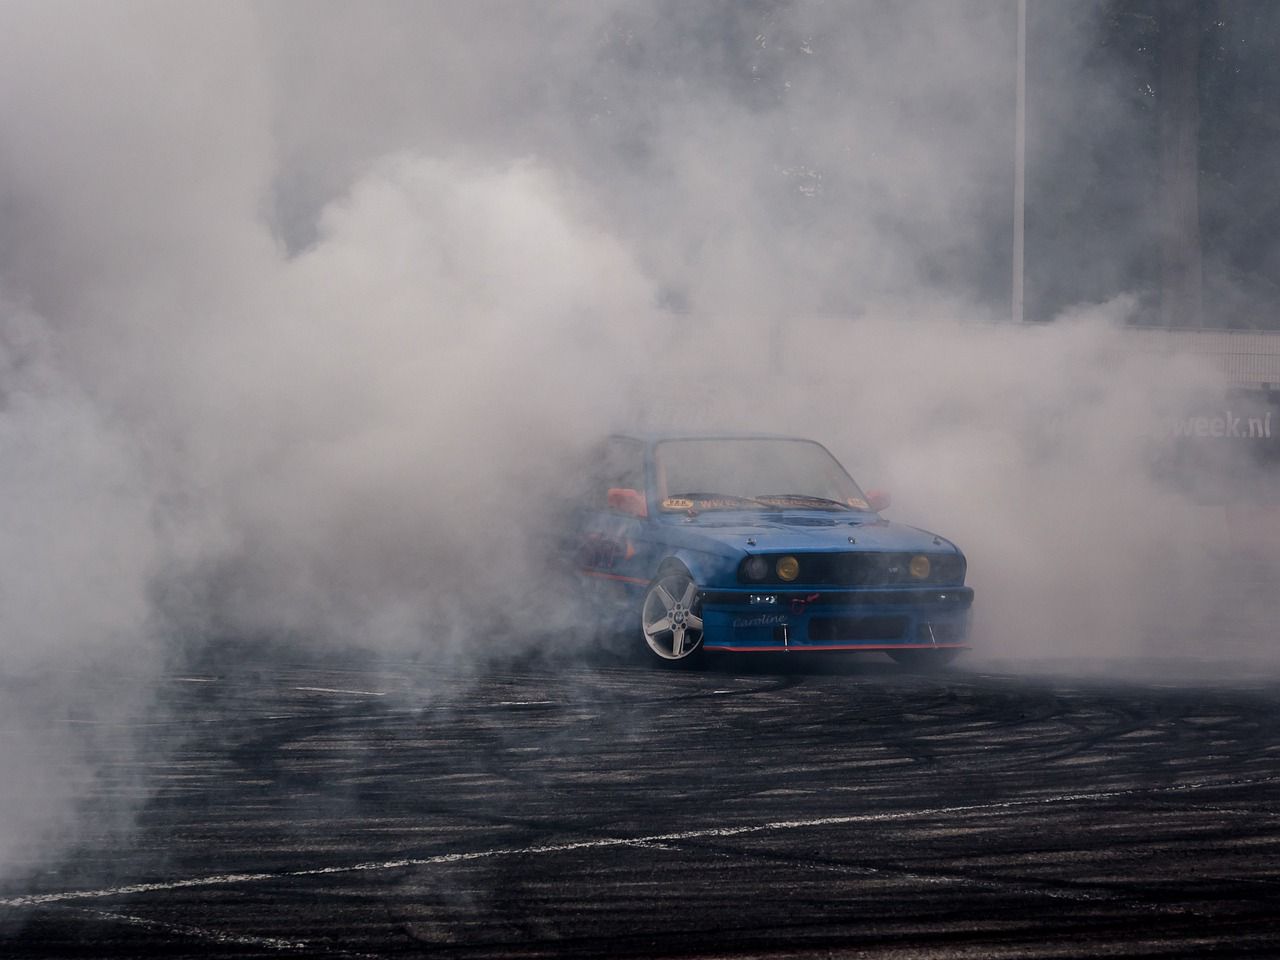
(307,313)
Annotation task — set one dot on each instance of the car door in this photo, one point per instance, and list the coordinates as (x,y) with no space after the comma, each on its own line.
(612,551)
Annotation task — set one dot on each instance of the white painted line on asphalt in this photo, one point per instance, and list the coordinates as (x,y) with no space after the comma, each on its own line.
(229,878)
(354,693)
(525,703)
(705,833)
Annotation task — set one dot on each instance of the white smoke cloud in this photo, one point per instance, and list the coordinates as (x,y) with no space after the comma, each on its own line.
(410,387)
(78,553)
(309,306)
(1034,449)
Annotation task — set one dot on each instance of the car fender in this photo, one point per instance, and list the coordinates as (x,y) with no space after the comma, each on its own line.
(704,566)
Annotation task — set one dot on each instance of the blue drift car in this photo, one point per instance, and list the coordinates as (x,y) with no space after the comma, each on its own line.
(755,544)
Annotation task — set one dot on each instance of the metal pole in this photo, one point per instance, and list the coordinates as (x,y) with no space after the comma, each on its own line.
(1020,163)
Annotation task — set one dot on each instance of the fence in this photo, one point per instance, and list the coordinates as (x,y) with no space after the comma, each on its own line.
(1245,358)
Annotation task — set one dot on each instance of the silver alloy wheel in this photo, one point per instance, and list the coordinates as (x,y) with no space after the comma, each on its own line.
(672,617)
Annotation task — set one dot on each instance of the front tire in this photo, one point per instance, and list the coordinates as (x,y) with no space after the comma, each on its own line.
(671,617)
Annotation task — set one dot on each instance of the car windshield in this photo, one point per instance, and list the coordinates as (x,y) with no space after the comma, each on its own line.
(752,474)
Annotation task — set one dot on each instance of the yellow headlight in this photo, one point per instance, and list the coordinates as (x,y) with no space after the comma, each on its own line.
(919,567)
(788,568)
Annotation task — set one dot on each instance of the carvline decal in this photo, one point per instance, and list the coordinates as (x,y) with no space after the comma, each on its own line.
(761,620)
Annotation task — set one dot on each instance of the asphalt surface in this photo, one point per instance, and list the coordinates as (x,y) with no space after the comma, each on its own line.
(353,807)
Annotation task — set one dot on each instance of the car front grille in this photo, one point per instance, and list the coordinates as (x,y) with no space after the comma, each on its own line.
(869,569)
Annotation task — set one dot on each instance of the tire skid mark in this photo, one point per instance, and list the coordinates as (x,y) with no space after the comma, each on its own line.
(208,935)
(1005,885)
(1055,729)
(34,900)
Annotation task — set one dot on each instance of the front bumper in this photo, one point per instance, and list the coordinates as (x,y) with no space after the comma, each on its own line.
(908,618)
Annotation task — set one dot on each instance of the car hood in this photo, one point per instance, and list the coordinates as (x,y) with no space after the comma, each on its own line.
(810,531)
